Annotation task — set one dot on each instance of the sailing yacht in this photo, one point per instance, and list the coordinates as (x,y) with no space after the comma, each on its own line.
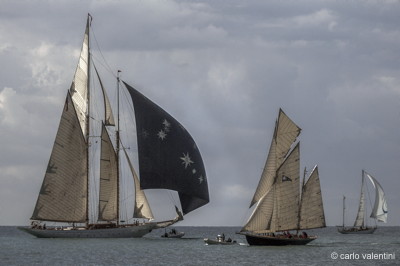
(379,211)
(168,159)
(282,204)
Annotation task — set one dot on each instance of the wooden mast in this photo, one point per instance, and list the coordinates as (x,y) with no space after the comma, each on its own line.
(89,20)
(118,148)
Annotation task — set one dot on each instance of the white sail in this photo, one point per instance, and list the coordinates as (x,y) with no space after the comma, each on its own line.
(108,114)
(380,209)
(311,207)
(108,198)
(261,217)
(285,134)
(359,222)
(79,87)
(63,193)
(287,192)
(142,207)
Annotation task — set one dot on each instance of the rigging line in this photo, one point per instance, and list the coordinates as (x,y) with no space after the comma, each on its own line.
(101,53)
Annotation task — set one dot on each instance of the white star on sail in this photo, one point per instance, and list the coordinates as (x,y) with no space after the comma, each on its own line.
(166,124)
(194,171)
(201,179)
(161,135)
(186,160)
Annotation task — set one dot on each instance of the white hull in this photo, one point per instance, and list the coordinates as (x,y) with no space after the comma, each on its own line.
(121,232)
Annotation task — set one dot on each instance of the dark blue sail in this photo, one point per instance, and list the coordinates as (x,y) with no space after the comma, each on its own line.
(168,156)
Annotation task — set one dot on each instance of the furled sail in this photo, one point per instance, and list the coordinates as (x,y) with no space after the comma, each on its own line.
(168,156)
(108,197)
(108,114)
(79,87)
(63,196)
(287,192)
(311,207)
(142,207)
(359,222)
(380,209)
(285,134)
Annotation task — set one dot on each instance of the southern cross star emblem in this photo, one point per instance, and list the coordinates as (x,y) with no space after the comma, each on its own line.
(161,135)
(201,179)
(166,125)
(186,160)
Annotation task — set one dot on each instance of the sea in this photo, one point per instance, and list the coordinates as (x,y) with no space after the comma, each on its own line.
(331,248)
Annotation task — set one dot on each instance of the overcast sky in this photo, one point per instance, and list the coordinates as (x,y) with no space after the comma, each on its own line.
(223,69)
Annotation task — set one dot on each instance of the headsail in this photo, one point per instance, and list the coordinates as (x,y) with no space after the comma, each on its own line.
(108,198)
(380,209)
(168,156)
(311,207)
(285,134)
(142,207)
(65,182)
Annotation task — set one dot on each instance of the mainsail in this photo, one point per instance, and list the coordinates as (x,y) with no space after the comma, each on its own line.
(380,209)
(65,182)
(359,222)
(63,195)
(285,134)
(168,156)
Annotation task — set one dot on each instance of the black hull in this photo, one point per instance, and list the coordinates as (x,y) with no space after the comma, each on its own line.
(261,240)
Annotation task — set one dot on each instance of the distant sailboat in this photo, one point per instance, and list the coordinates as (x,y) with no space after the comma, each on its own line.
(168,159)
(281,204)
(379,211)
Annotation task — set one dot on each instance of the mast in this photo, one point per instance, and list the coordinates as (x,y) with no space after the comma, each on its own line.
(344,207)
(301,196)
(118,147)
(89,20)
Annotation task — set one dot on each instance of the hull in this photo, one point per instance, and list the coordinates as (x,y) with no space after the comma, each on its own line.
(263,240)
(177,235)
(120,232)
(354,230)
(218,242)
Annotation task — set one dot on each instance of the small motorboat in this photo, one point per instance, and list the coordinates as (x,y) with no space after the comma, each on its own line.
(220,240)
(173,234)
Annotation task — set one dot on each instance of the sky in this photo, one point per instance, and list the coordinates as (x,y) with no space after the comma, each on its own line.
(222,69)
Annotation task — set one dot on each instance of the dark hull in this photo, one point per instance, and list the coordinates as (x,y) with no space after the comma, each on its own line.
(261,240)
(121,232)
(354,230)
(217,242)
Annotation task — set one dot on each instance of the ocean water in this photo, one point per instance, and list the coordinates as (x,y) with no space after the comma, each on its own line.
(331,248)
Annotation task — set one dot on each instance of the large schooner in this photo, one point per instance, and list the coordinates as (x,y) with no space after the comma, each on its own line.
(167,154)
(379,211)
(282,204)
